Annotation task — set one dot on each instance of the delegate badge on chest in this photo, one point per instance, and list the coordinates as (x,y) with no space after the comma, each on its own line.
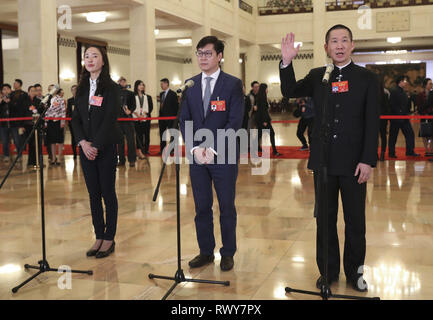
(96,101)
(340,87)
(219,105)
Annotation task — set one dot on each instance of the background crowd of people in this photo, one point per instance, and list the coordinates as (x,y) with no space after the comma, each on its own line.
(17,103)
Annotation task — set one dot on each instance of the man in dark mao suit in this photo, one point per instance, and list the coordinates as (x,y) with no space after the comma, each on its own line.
(353,122)
(216,104)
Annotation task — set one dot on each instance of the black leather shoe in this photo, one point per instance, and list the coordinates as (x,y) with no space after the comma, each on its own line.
(321,280)
(227,263)
(358,284)
(201,260)
(413,154)
(121,164)
(92,252)
(382,157)
(103,254)
(276,154)
(392,155)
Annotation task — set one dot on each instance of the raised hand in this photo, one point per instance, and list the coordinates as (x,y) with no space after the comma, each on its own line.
(288,49)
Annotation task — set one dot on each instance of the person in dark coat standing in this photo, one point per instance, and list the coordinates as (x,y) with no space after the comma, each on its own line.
(353,122)
(169,106)
(69,110)
(400,106)
(127,107)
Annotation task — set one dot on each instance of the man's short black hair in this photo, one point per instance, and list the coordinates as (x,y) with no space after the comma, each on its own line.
(253,83)
(6,85)
(165,80)
(19,81)
(37,85)
(337,27)
(217,44)
(28,90)
(425,81)
(400,78)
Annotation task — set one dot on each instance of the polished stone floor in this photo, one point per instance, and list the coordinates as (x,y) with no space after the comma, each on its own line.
(276,233)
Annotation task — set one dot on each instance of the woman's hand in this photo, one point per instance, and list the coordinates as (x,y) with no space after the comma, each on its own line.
(89,151)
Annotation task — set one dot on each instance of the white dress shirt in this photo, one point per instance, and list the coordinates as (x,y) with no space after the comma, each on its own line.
(93,86)
(214,77)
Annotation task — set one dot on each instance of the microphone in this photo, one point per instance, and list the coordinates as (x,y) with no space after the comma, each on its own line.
(329,69)
(187,85)
(52,92)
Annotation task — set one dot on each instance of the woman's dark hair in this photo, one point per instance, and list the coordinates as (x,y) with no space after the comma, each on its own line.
(136,84)
(425,81)
(104,78)
(262,97)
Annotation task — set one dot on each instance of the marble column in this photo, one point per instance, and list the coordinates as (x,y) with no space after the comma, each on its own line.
(143,46)
(252,65)
(198,33)
(37,33)
(232,49)
(319,29)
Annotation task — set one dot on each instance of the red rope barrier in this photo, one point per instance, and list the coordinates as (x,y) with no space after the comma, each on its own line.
(389,117)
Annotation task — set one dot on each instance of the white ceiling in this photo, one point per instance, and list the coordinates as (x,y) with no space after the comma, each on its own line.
(116,29)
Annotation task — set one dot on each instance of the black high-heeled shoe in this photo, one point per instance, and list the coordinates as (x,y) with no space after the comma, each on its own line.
(103,254)
(93,252)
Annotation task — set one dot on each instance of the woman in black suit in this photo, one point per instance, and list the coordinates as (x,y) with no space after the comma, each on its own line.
(263,119)
(94,122)
(143,110)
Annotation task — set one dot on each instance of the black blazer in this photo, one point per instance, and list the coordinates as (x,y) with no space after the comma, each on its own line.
(353,116)
(70,107)
(170,106)
(399,102)
(98,124)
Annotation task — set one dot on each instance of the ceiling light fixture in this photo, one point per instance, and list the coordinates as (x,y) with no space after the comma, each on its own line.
(184,41)
(96,17)
(393,39)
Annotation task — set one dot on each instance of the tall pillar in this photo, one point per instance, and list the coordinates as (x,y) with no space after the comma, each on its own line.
(37,33)
(232,50)
(252,65)
(319,27)
(198,33)
(143,46)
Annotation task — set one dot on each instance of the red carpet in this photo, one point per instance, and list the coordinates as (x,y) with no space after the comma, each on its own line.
(286,153)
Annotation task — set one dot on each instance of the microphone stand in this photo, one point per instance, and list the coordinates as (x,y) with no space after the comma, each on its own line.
(43,264)
(179,276)
(322,195)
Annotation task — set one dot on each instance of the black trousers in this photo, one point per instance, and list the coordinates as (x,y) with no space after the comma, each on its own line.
(405,126)
(302,126)
(353,198)
(142,135)
(100,177)
(382,129)
(73,142)
(164,125)
(128,131)
(271,133)
(31,161)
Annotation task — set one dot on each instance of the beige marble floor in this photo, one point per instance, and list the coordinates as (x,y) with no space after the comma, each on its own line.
(276,233)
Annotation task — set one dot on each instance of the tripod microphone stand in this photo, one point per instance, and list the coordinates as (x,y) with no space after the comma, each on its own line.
(179,276)
(43,264)
(322,195)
